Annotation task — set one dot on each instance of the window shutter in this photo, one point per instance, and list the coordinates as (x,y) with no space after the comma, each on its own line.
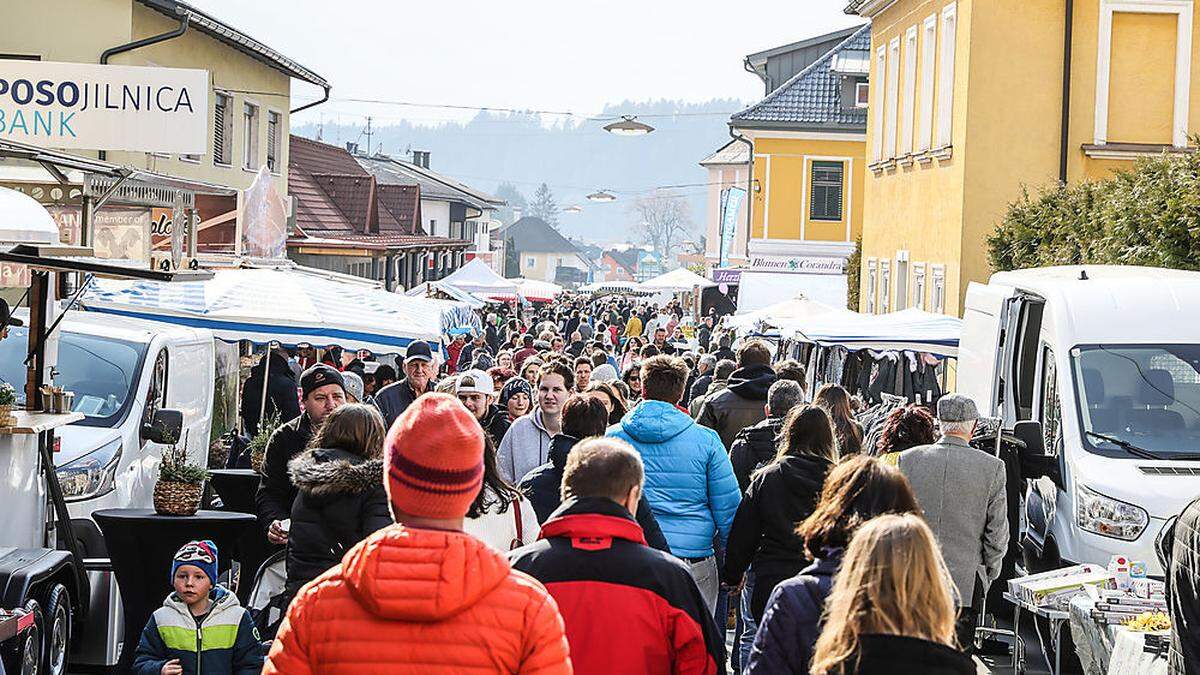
(272,134)
(827,180)
(219,113)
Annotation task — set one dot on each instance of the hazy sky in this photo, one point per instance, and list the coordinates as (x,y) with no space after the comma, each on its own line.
(571,55)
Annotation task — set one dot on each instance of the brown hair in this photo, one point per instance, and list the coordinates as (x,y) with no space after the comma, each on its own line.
(584,415)
(855,491)
(906,428)
(753,353)
(355,428)
(834,400)
(663,378)
(807,431)
(892,581)
(790,369)
(558,367)
(610,389)
(601,467)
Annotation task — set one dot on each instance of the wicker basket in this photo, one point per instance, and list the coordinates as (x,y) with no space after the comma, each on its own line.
(257,456)
(172,498)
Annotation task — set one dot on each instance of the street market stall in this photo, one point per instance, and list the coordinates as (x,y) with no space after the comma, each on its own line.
(533,290)
(599,288)
(791,312)
(908,330)
(438,289)
(287,304)
(477,278)
(675,281)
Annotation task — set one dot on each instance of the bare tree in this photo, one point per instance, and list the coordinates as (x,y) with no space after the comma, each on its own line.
(664,220)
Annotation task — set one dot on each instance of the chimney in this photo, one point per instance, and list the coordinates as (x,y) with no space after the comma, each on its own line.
(421,158)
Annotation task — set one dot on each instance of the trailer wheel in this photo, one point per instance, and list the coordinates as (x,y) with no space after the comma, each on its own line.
(58,630)
(31,645)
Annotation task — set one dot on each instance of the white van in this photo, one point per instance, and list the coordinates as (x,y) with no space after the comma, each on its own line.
(1097,369)
(122,371)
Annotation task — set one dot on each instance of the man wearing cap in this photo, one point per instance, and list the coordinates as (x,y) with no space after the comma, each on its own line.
(476,391)
(7,319)
(395,398)
(961,490)
(422,595)
(322,390)
(477,346)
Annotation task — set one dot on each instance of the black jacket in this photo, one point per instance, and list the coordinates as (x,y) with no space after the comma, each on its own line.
(340,501)
(543,488)
(700,386)
(741,404)
(1179,552)
(395,398)
(896,655)
(496,423)
(627,608)
(753,446)
(764,529)
(492,337)
(275,491)
(469,351)
(282,395)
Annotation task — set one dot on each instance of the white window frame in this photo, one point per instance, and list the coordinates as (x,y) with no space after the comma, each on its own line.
(880,95)
(885,286)
(1183,61)
(945,108)
(902,276)
(251,117)
(918,294)
(938,290)
(909,109)
(860,88)
(872,284)
(891,105)
(928,59)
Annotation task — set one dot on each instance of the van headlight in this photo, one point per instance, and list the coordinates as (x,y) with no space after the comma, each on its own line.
(92,475)
(1108,517)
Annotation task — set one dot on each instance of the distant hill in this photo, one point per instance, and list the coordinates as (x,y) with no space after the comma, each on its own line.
(575,158)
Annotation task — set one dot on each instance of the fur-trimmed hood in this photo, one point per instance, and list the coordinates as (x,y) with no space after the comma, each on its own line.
(323,472)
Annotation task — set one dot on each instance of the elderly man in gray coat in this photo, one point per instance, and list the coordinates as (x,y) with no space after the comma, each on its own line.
(961,491)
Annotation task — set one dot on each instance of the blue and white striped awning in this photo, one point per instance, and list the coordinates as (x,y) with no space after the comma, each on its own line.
(289,305)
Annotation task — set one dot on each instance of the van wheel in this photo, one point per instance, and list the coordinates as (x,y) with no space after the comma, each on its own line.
(31,645)
(59,615)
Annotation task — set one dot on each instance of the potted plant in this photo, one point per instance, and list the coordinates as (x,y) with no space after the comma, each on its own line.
(258,444)
(180,483)
(8,398)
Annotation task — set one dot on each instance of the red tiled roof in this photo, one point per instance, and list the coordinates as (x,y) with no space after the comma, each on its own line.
(403,203)
(318,157)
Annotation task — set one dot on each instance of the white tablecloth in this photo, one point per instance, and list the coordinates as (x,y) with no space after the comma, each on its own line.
(1130,658)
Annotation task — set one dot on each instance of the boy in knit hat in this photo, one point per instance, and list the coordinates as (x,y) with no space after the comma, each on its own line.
(201,627)
(421,595)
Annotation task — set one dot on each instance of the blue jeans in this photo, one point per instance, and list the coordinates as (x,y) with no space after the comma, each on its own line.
(745,634)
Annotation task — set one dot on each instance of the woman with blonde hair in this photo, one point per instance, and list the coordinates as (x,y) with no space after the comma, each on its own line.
(892,606)
(835,400)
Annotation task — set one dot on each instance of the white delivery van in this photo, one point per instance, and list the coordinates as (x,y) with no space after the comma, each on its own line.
(1097,370)
(122,371)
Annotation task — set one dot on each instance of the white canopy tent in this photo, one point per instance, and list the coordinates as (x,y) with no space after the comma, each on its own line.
(614,288)
(425,289)
(681,279)
(534,290)
(477,278)
(791,312)
(288,304)
(24,221)
(908,330)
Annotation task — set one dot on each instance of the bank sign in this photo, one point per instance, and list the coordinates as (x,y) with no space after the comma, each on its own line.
(82,106)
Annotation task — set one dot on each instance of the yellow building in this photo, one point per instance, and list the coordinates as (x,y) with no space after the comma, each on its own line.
(808,160)
(251,84)
(974,99)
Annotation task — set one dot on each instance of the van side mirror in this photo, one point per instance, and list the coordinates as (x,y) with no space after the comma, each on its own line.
(1035,463)
(165,428)
(1029,432)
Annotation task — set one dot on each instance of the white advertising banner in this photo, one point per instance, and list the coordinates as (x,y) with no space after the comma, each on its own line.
(83,106)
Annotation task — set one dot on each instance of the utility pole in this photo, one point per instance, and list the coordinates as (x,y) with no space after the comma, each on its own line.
(368,136)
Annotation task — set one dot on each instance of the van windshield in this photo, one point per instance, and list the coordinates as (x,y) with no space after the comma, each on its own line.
(1144,395)
(101,371)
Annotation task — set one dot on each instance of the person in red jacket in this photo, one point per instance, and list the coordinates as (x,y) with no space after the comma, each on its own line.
(628,608)
(421,595)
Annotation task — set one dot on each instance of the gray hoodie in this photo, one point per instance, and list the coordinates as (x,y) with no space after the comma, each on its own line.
(525,447)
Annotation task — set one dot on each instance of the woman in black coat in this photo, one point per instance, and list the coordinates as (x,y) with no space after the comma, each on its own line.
(341,498)
(781,495)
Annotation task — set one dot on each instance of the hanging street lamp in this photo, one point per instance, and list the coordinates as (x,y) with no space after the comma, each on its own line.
(628,126)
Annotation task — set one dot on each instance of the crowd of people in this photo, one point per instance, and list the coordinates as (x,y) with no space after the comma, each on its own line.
(593,488)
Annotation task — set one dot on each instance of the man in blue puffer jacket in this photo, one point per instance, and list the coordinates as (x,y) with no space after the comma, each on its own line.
(689,480)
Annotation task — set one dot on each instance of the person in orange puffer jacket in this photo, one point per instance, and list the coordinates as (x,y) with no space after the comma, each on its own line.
(421,595)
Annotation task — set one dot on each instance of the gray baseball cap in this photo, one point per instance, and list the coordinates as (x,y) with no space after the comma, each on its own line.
(957,408)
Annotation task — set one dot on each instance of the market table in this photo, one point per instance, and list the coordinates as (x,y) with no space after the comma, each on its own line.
(236,488)
(1057,618)
(1129,656)
(141,544)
